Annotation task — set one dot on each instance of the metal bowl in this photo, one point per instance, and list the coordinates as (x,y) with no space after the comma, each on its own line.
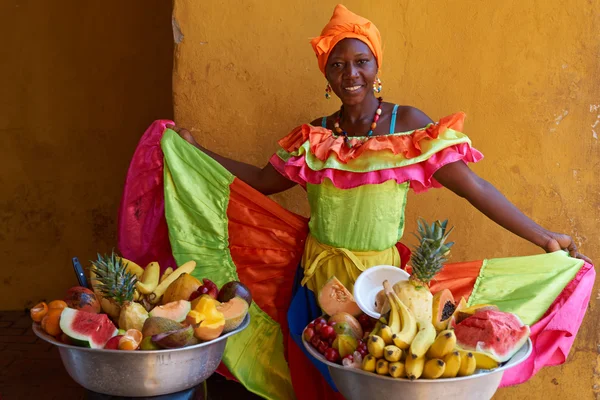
(141,373)
(355,384)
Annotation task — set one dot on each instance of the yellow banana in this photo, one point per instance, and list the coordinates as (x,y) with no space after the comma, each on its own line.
(483,361)
(408,331)
(132,267)
(444,343)
(369,363)
(394,318)
(149,280)
(452,361)
(423,340)
(467,363)
(397,370)
(386,334)
(165,274)
(382,367)
(375,346)
(392,353)
(186,268)
(414,366)
(136,295)
(433,368)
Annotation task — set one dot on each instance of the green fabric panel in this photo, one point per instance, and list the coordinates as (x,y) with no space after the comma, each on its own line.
(379,160)
(526,286)
(196,200)
(365,218)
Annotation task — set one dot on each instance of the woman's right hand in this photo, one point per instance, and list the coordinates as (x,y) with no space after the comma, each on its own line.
(184,133)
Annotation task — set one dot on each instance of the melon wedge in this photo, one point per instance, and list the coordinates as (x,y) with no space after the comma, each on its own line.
(87,329)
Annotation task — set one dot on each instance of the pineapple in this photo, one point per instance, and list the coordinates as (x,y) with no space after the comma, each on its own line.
(426,260)
(112,283)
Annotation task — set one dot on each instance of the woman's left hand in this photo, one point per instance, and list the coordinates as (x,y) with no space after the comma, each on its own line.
(560,241)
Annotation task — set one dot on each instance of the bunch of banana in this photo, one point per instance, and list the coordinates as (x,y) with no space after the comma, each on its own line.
(407,348)
(152,284)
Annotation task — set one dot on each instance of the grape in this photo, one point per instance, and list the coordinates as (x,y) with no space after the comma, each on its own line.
(323,346)
(308,334)
(318,328)
(315,341)
(311,325)
(327,332)
(332,355)
(321,321)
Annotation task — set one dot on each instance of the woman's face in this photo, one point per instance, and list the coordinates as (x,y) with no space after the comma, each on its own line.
(351,70)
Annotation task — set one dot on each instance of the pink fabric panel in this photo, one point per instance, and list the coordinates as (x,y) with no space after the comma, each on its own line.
(143,236)
(420,174)
(553,335)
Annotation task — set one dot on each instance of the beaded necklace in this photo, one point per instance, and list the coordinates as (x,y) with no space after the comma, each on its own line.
(342,132)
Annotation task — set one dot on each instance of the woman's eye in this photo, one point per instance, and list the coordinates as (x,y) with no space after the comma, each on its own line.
(363,61)
(337,65)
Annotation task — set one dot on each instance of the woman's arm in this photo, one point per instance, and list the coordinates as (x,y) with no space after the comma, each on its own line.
(459,178)
(266,180)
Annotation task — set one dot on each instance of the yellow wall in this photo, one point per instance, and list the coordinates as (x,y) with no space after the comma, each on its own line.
(526,74)
(79,83)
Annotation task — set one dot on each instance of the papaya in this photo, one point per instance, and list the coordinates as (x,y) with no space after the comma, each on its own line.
(334,298)
(442,309)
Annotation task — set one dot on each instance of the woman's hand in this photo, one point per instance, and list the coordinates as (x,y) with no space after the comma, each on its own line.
(184,133)
(560,241)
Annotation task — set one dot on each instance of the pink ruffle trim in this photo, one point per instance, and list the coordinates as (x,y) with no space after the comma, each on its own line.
(420,175)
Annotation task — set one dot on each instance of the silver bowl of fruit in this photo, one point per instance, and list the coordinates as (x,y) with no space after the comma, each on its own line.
(140,332)
(141,373)
(354,383)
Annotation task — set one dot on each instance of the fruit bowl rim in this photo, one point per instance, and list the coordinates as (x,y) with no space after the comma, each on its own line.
(36,327)
(478,373)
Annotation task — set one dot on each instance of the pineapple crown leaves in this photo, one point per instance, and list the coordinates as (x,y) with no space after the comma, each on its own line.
(113,280)
(429,256)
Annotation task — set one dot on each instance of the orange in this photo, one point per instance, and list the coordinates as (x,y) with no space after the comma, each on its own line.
(51,322)
(38,312)
(60,304)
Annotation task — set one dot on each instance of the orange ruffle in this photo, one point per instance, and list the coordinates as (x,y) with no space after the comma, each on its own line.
(323,142)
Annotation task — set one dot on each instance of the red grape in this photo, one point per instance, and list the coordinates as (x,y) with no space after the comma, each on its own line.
(321,321)
(332,355)
(327,332)
(311,325)
(318,327)
(315,341)
(349,357)
(363,352)
(330,341)
(308,334)
(323,347)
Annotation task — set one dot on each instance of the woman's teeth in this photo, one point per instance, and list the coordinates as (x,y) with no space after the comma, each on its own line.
(352,88)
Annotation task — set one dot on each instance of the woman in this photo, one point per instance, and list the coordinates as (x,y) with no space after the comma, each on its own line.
(357,166)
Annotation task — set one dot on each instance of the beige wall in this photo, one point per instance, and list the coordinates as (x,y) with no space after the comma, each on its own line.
(79,83)
(526,73)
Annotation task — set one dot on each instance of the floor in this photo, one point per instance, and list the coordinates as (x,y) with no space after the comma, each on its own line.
(31,369)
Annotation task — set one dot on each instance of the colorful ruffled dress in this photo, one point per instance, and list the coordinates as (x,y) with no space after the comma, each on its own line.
(179,204)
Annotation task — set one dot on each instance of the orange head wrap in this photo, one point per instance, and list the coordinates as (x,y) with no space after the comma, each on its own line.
(342,25)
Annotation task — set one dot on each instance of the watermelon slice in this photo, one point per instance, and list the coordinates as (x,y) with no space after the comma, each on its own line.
(87,329)
(495,333)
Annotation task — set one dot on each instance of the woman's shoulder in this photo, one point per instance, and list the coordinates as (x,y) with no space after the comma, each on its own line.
(409,118)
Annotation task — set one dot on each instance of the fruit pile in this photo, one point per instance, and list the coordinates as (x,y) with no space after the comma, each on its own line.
(132,308)
(419,335)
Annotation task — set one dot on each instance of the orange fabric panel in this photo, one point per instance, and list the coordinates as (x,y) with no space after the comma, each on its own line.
(266,243)
(458,277)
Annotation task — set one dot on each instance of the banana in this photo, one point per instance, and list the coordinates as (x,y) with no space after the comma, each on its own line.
(136,295)
(394,319)
(444,343)
(165,274)
(369,363)
(377,329)
(397,370)
(186,268)
(132,267)
(386,334)
(423,340)
(414,366)
(452,361)
(375,346)
(382,367)
(434,368)
(149,280)
(408,331)
(483,361)
(392,353)
(467,363)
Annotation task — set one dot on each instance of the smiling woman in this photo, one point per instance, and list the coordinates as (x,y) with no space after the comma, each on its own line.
(357,166)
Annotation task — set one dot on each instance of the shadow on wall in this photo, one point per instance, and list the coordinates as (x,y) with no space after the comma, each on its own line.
(80,82)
